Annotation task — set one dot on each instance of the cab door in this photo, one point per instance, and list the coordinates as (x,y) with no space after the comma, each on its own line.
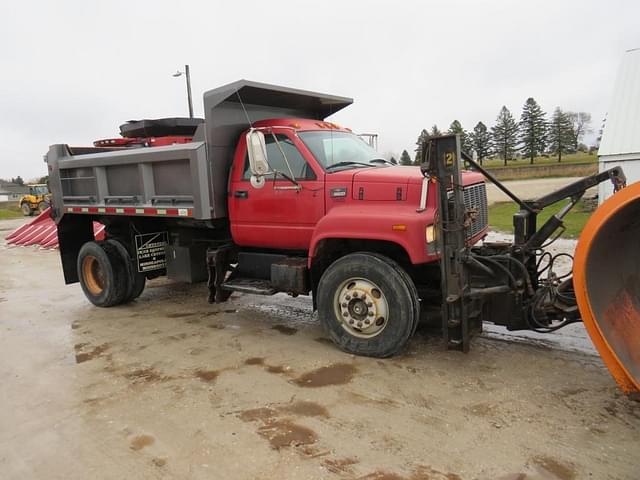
(280,214)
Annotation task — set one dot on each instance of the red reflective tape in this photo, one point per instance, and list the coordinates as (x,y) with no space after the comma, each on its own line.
(172,211)
(129,211)
(110,210)
(150,211)
(93,209)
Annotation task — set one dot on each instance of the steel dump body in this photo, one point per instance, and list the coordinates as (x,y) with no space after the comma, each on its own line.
(187,180)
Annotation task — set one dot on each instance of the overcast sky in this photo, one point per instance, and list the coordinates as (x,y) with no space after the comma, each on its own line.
(74,71)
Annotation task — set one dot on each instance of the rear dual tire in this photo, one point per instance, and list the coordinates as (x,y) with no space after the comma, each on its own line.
(107,274)
(368,305)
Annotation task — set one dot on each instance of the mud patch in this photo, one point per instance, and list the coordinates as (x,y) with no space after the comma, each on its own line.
(554,467)
(140,441)
(181,314)
(262,414)
(208,376)
(420,472)
(218,312)
(254,361)
(91,354)
(159,461)
(305,409)
(326,341)
(216,326)
(285,433)
(75,325)
(276,369)
(340,466)
(283,329)
(335,374)
(147,375)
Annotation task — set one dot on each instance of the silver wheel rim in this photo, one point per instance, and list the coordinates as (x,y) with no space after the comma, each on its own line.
(361,307)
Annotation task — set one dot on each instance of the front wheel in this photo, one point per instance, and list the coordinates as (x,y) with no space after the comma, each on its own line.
(42,206)
(368,305)
(26,210)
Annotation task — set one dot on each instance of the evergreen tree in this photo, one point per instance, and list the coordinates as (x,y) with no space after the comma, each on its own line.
(405,159)
(456,128)
(504,135)
(424,135)
(435,131)
(480,140)
(533,130)
(18,180)
(393,160)
(560,134)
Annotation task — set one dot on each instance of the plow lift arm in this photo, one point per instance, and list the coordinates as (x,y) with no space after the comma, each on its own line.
(507,283)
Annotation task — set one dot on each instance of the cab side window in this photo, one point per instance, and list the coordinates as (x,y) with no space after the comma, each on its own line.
(299,167)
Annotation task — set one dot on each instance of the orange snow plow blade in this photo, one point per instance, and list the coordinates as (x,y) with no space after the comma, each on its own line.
(43,231)
(606,278)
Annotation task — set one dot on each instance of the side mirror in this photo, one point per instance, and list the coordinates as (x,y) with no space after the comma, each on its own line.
(257,150)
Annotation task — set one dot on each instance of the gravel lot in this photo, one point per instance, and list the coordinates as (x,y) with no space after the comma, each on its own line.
(171,387)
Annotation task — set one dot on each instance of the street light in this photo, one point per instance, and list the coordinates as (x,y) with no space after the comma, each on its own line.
(186,74)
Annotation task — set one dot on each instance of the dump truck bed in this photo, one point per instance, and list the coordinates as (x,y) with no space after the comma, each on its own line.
(172,181)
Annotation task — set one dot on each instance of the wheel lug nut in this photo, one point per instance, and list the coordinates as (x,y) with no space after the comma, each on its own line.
(345,314)
(351,322)
(348,297)
(355,294)
(369,304)
(344,305)
(370,313)
(360,324)
(367,321)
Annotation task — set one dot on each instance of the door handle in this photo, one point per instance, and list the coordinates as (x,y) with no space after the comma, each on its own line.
(241,194)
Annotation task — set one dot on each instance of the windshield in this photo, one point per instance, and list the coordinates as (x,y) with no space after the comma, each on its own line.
(339,149)
(40,189)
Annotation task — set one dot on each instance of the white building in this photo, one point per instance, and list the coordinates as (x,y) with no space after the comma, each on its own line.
(620,144)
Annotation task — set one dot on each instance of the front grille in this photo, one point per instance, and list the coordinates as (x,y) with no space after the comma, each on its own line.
(475,199)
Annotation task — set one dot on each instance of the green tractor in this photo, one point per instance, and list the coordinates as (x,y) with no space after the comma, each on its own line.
(37,200)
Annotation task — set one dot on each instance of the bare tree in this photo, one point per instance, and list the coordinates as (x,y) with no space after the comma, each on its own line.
(580,125)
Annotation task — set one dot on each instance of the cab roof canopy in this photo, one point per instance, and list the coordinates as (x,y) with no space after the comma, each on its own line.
(231,109)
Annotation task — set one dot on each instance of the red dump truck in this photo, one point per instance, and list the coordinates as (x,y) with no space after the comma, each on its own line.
(265,195)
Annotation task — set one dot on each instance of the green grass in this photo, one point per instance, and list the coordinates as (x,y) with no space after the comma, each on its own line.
(9,213)
(501,217)
(566,160)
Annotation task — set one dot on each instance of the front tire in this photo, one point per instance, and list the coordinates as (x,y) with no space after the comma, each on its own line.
(102,273)
(42,206)
(26,210)
(368,305)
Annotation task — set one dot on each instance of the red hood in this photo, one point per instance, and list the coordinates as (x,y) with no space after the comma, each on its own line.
(400,175)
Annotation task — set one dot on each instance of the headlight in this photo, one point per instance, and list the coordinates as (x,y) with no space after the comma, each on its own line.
(430,234)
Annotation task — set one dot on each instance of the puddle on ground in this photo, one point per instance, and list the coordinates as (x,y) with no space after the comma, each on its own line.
(207,375)
(276,369)
(285,433)
(269,368)
(140,441)
(335,374)
(284,329)
(90,355)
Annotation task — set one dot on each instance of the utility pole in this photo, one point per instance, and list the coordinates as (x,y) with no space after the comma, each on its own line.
(188,75)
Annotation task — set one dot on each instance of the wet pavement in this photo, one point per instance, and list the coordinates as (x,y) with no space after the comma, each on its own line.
(171,387)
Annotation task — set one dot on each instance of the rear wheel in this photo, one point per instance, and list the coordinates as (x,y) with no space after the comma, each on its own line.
(103,274)
(135,280)
(26,210)
(368,305)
